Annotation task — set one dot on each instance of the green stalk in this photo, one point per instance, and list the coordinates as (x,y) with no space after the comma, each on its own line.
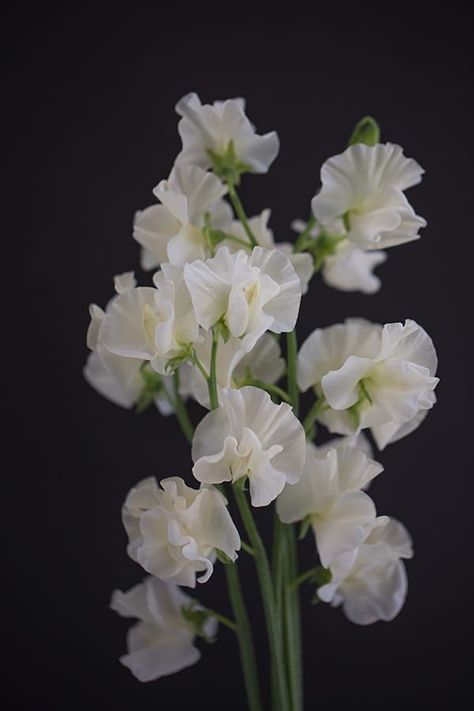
(292,354)
(240,212)
(272,616)
(243,629)
(305,236)
(244,638)
(292,617)
(181,411)
(212,381)
(315,410)
(268,387)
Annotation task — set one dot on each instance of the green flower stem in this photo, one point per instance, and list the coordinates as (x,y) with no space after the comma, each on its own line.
(222,618)
(239,209)
(316,409)
(278,573)
(292,353)
(243,629)
(268,387)
(212,380)
(272,615)
(292,622)
(248,549)
(233,238)
(303,578)
(196,361)
(305,236)
(181,411)
(244,638)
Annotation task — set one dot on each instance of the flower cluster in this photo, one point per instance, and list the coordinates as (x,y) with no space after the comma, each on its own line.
(208,328)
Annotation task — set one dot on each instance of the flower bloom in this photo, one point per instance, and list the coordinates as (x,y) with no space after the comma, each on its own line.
(249,435)
(174,531)
(249,294)
(162,642)
(370,376)
(152,324)
(114,377)
(211,127)
(373,585)
(365,185)
(329,496)
(173,231)
(345,266)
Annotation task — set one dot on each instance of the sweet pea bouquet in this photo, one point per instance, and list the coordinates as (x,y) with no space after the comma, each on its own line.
(209,328)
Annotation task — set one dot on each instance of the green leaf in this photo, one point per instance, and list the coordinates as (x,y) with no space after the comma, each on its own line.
(366,131)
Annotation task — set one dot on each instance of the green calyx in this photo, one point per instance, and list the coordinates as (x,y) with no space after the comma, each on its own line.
(323,247)
(173,364)
(364,400)
(366,131)
(197,617)
(227,166)
(152,385)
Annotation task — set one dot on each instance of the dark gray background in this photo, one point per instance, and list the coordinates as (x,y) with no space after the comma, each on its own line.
(89,129)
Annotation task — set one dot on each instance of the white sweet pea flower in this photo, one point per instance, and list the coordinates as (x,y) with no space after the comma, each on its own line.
(174,531)
(328,495)
(366,185)
(153,324)
(344,266)
(370,376)
(211,127)
(116,378)
(249,435)
(235,365)
(173,231)
(302,262)
(162,641)
(249,294)
(373,586)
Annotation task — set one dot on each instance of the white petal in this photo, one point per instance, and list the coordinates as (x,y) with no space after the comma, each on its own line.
(123,331)
(380,596)
(409,342)
(392,431)
(124,281)
(343,527)
(115,378)
(169,654)
(340,386)
(327,349)
(153,228)
(284,307)
(350,269)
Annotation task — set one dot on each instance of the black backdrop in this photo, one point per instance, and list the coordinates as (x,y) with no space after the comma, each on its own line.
(89,129)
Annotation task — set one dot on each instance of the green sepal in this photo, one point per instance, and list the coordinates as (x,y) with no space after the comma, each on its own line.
(366,131)
(223,557)
(322,576)
(152,385)
(197,617)
(304,527)
(321,247)
(226,165)
(354,410)
(222,330)
(173,363)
